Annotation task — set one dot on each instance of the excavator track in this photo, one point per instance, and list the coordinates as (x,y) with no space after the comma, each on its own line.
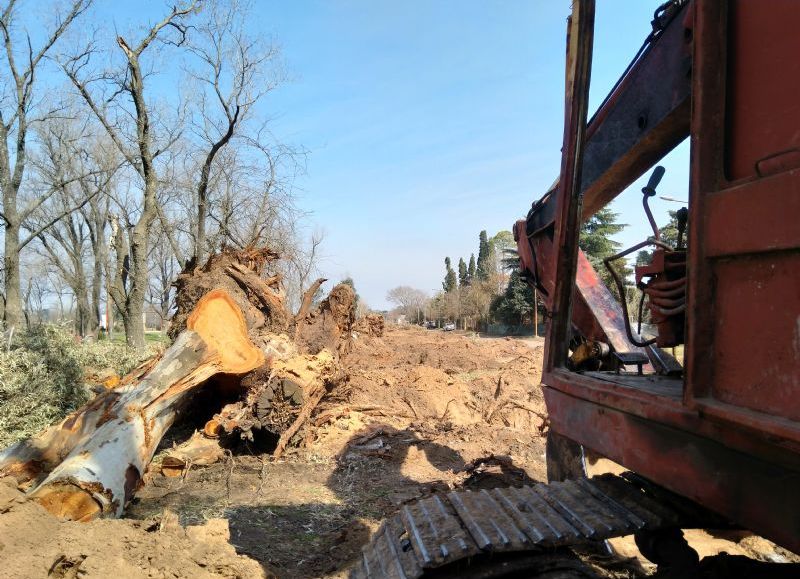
(429,536)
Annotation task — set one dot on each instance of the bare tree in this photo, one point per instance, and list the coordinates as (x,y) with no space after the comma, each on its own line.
(410,301)
(19,110)
(233,72)
(96,215)
(75,243)
(164,269)
(140,148)
(302,264)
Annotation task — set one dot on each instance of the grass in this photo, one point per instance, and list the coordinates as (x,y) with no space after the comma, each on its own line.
(42,377)
(150,337)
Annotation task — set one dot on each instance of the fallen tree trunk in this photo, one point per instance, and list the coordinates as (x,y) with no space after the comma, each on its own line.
(231,322)
(119,435)
(29,461)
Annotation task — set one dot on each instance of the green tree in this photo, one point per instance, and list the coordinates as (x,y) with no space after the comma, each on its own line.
(483,268)
(596,234)
(471,268)
(515,304)
(463,274)
(669,233)
(449,283)
(597,243)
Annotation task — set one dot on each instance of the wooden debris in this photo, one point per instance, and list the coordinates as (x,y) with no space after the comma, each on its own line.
(370,325)
(231,322)
(197,451)
(105,467)
(308,298)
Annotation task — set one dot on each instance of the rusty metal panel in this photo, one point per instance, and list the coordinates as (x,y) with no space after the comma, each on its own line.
(767,203)
(642,120)
(745,280)
(757,494)
(580,38)
(756,358)
(763,81)
(645,118)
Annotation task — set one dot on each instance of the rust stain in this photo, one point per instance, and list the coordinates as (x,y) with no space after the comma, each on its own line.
(108,412)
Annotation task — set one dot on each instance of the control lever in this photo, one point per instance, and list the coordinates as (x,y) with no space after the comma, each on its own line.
(649,190)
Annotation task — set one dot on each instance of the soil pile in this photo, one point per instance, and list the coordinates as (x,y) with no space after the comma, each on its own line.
(480,396)
(35,544)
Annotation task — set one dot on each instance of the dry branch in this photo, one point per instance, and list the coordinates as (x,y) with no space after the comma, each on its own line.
(308,299)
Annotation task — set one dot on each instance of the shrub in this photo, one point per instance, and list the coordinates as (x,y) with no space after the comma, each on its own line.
(42,377)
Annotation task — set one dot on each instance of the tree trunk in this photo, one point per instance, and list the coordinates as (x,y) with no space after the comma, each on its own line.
(97,288)
(83,313)
(13,310)
(107,445)
(133,323)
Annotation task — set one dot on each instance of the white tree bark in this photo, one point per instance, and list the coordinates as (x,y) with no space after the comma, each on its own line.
(103,466)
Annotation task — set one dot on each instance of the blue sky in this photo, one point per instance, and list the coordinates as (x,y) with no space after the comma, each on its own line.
(427,121)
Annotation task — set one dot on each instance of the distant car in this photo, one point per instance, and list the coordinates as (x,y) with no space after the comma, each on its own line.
(430,324)
(449,327)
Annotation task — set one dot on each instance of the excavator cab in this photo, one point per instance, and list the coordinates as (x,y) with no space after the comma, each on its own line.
(721,427)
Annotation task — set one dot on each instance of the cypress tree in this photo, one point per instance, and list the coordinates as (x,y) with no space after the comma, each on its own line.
(484,253)
(463,276)
(449,283)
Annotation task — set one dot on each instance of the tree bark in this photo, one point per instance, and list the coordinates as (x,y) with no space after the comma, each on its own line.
(13,307)
(106,446)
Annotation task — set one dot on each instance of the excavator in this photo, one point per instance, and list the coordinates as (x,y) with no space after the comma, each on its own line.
(708,441)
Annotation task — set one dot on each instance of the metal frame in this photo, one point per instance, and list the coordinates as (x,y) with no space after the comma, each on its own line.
(703,437)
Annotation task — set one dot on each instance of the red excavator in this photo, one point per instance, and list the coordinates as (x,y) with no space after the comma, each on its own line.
(711,441)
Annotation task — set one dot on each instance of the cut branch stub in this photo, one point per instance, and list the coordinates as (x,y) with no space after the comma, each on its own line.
(105,468)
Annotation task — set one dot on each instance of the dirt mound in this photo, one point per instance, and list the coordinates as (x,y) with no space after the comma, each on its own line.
(414,374)
(35,544)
